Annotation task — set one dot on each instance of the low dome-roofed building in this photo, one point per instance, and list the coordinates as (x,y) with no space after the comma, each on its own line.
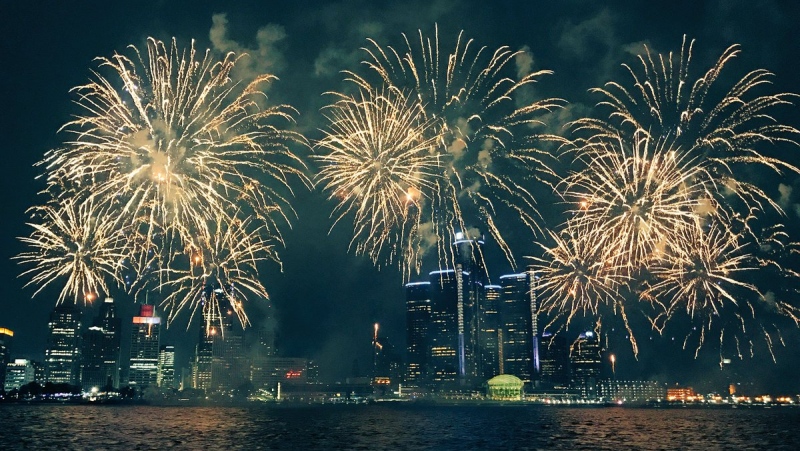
(505,387)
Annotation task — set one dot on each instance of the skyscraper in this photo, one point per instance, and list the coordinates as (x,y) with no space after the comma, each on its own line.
(554,361)
(5,351)
(220,362)
(518,313)
(63,352)
(145,336)
(385,361)
(166,367)
(586,362)
(489,335)
(101,349)
(470,266)
(446,338)
(418,316)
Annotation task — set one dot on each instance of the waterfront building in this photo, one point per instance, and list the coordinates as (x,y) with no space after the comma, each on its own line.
(445,333)
(63,352)
(418,316)
(631,391)
(505,387)
(519,325)
(220,362)
(5,351)
(145,337)
(489,335)
(682,394)
(554,361)
(269,371)
(101,349)
(470,267)
(166,367)
(385,361)
(586,363)
(18,373)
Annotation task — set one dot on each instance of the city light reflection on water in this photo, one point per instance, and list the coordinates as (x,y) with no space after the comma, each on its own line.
(394,427)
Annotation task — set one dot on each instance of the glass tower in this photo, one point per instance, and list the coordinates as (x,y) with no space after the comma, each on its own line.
(145,336)
(63,354)
(418,316)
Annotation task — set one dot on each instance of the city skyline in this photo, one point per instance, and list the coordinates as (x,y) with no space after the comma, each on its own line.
(326,299)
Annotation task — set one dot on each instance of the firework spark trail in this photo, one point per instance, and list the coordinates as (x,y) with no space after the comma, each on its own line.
(636,198)
(380,164)
(224,267)
(706,282)
(76,241)
(487,134)
(170,147)
(667,103)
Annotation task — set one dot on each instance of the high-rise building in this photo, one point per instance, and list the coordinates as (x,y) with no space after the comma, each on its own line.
(418,316)
(554,351)
(445,333)
(489,335)
(166,367)
(470,266)
(145,336)
(586,363)
(18,373)
(5,351)
(268,372)
(101,349)
(518,313)
(220,362)
(385,361)
(63,352)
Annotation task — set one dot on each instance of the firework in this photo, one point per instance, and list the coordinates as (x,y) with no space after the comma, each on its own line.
(381,161)
(488,135)
(637,198)
(216,275)
(170,147)
(706,282)
(723,126)
(77,241)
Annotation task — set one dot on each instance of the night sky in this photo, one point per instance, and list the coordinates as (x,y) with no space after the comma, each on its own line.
(325,300)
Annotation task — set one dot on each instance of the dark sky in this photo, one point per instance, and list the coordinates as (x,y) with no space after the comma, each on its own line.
(326,300)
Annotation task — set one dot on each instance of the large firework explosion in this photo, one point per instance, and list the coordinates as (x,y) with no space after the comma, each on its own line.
(662,185)
(486,134)
(172,149)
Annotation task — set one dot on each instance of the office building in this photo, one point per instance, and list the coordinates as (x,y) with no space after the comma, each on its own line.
(101,349)
(418,316)
(446,357)
(63,352)
(519,325)
(470,266)
(489,336)
(220,363)
(166,367)
(18,373)
(5,351)
(145,336)
(554,360)
(586,363)
(385,361)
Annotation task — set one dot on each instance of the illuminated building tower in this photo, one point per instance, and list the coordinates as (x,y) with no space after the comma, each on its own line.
(101,346)
(5,351)
(220,362)
(18,373)
(166,367)
(470,266)
(586,362)
(554,361)
(418,316)
(63,353)
(488,337)
(385,362)
(518,313)
(145,336)
(445,332)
